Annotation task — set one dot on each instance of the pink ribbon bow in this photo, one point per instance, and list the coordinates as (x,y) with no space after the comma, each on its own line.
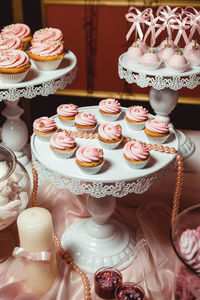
(181,26)
(19,252)
(195,20)
(137,17)
(152,25)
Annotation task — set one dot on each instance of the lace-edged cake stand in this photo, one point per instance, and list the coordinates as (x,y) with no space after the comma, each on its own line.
(163,96)
(14,130)
(100,240)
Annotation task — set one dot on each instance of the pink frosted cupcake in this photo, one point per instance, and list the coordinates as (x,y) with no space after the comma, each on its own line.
(85,122)
(14,65)
(134,53)
(8,42)
(110,109)
(48,55)
(44,128)
(157,131)
(46,34)
(178,62)
(136,154)
(20,30)
(136,117)
(109,135)
(89,159)
(151,60)
(66,114)
(62,144)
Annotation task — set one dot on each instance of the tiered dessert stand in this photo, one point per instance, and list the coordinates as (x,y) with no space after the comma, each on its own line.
(164,91)
(99,240)
(14,130)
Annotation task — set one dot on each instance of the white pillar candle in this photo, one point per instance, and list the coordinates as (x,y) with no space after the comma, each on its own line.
(36,235)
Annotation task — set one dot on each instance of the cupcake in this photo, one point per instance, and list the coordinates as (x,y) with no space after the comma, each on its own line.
(14,65)
(85,122)
(178,62)
(136,154)
(48,55)
(20,30)
(89,159)
(151,60)
(109,135)
(44,128)
(62,144)
(134,53)
(66,114)
(136,116)
(8,42)
(46,34)
(110,109)
(157,131)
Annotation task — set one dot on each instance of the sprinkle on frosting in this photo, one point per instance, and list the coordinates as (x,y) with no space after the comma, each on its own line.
(19,29)
(135,150)
(157,125)
(85,119)
(49,48)
(13,59)
(110,106)
(137,113)
(67,110)
(61,140)
(44,124)
(48,33)
(10,42)
(89,154)
(110,131)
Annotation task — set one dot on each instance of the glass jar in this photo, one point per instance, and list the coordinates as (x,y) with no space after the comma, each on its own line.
(187,280)
(15,188)
(129,290)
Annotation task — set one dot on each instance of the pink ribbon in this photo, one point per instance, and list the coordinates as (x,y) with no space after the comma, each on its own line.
(181,26)
(152,25)
(137,17)
(195,20)
(19,252)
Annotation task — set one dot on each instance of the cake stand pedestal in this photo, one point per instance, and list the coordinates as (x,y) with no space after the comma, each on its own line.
(100,240)
(14,130)
(163,95)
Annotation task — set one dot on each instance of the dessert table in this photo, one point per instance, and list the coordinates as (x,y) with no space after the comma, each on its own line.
(151,214)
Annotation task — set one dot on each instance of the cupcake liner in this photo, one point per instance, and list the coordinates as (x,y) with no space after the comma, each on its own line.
(91,170)
(110,117)
(66,122)
(136,126)
(109,146)
(137,165)
(13,78)
(44,138)
(63,154)
(88,130)
(157,140)
(47,65)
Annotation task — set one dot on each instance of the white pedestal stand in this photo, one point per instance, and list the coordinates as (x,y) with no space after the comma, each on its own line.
(100,241)
(164,91)
(14,130)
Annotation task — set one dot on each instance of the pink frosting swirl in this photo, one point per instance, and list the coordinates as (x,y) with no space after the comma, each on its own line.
(110,131)
(190,248)
(61,140)
(137,113)
(44,124)
(13,59)
(48,33)
(157,125)
(89,154)
(110,106)
(18,29)
(136,150)
(67,110)
(47,49)
(8,42)
(85,119)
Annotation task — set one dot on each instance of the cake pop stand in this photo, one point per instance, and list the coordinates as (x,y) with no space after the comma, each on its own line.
(14,130)
(163,96)
(99,240)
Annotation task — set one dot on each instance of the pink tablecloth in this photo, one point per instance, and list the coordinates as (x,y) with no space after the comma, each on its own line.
(147,214)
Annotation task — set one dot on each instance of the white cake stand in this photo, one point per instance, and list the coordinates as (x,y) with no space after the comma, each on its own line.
(163,96)
(100,240)
(14,130)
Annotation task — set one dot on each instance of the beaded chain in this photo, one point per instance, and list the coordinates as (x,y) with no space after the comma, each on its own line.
(176,199)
